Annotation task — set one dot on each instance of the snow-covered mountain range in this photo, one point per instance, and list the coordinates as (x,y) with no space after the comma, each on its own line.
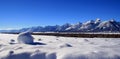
(89,26)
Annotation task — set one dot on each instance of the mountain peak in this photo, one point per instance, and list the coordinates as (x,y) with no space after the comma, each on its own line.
(89,22)
(97,21)
(112,20)
(78,23)
(91,25)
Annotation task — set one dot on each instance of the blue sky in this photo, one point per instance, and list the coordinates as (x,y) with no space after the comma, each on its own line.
(27,13)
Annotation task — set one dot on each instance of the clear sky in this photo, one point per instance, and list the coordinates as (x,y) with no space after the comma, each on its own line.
(27,13)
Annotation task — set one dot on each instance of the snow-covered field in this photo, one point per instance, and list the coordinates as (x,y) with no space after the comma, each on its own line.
(52,47)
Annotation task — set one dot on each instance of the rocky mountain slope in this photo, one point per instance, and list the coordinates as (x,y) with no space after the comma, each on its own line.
(89,26)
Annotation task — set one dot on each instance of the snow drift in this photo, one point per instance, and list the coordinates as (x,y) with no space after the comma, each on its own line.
(64,48)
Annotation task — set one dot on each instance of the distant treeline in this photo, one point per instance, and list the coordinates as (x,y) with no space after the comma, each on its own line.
(82,35)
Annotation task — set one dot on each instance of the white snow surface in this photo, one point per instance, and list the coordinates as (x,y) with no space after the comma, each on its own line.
(52,47)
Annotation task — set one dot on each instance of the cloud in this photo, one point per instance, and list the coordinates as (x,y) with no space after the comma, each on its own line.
(9,29)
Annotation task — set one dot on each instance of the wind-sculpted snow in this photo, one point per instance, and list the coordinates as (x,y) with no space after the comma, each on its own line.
(60,48)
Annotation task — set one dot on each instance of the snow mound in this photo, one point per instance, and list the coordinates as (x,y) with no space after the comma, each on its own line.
(25,38)
(65,45)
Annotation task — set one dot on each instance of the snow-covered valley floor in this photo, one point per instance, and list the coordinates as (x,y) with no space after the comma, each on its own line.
(52,47)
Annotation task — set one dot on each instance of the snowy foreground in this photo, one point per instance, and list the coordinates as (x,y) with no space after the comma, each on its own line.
(52,47)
